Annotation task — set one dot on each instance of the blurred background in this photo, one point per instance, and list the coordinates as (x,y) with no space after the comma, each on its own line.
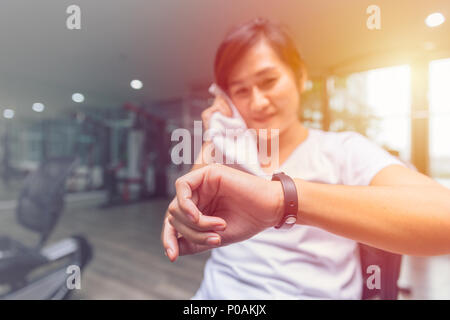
(99,104)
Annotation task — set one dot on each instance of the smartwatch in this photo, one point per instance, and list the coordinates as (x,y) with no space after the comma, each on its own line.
(290,201)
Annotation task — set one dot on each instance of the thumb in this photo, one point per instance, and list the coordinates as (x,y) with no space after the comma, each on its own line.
(170,241)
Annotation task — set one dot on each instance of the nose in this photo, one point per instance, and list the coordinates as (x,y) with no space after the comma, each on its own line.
(259,102)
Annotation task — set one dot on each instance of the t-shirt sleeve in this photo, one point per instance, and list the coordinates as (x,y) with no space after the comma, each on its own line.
(363,159)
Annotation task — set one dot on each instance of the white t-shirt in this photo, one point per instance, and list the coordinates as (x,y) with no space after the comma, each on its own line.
(303,262)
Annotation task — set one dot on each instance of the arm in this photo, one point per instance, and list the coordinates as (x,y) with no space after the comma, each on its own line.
(401,211)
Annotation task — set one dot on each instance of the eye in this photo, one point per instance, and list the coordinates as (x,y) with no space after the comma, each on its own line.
(267,83)
(241,92)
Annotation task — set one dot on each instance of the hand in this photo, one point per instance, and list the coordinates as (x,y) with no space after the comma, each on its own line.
(216,206)
(220,105)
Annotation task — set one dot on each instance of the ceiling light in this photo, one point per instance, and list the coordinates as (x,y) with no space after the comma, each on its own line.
(136,84)
(435,19)
(38,107)
(78,97)
(8,113)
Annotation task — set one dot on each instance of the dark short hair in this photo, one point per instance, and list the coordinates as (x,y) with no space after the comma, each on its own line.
(241,38)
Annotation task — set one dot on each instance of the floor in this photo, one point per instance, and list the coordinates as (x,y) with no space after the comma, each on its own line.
(129,262)
(10,190)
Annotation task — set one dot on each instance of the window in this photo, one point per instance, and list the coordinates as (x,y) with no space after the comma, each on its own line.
(439,96)
(375,103)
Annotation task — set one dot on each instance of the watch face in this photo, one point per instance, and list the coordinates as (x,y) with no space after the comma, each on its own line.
(291,220)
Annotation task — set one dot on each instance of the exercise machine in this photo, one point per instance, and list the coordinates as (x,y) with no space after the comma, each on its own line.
(41,272)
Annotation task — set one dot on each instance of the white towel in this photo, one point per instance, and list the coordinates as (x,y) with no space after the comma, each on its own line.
(234,144)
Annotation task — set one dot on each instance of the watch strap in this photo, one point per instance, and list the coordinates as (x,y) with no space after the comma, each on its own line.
(290,200)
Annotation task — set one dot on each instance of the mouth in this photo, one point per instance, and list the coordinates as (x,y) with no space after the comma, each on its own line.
(262,119)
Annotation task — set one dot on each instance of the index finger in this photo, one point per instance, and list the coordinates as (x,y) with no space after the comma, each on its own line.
(184,198)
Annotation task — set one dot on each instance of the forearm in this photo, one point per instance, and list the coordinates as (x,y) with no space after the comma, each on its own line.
(408,220)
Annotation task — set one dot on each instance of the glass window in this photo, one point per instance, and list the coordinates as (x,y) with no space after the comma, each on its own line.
(439,96)
(375,103)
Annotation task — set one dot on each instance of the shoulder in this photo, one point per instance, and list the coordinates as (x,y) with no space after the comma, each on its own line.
(343,136)
(345,145)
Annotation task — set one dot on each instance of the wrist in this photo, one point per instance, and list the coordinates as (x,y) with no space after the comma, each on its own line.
(278,210)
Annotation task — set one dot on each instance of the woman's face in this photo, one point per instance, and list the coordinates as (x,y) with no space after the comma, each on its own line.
(264,89)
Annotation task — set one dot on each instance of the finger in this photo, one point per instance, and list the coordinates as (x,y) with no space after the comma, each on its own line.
(184,186)
(203,223)
(220,105)
(198,237)
(170,241)
(184,199)
(187,247)
(181,208)
(224,108)
(207,114)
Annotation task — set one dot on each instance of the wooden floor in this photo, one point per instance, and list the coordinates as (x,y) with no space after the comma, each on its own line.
(129,262)
(10,191)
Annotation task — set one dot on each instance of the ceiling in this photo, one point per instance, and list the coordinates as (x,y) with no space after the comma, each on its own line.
(170,44)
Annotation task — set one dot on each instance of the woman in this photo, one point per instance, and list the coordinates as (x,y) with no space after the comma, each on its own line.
(348,189)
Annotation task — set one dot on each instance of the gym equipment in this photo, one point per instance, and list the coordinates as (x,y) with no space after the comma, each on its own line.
(123,167)
(148,155)
(91,150)
(389,265)
(138,162)
(41,272)
(9,174)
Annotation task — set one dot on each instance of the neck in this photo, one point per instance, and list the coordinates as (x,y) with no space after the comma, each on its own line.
(288,140)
